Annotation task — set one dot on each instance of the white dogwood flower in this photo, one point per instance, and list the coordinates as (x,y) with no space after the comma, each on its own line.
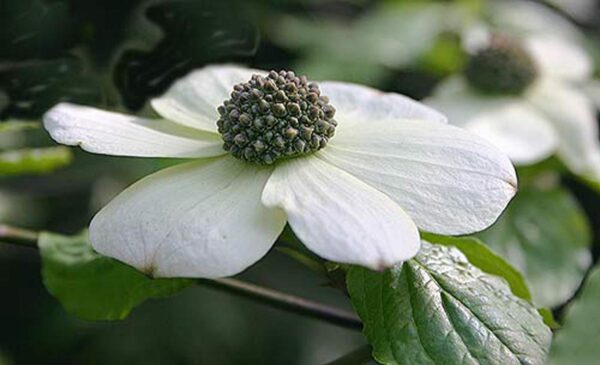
(355,172)
(527,88)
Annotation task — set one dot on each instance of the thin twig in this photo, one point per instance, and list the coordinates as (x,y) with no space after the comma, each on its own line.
(18,236)
(303,259)
(287,302)
(291,303)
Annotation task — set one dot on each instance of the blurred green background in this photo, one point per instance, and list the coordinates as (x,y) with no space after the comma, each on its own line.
(116,54)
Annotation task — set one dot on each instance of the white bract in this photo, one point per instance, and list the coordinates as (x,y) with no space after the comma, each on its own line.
(556,114)
(393,166)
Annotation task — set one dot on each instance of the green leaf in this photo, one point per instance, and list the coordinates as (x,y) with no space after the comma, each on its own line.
(17,126)
(95,287)
(548,318)
(34,160)
(486,260)
(577,341)
(445,57)
(544,234)
(4,360)
(439,309)
(591,182)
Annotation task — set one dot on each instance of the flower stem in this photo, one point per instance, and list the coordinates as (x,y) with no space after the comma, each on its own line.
(287,302)
(359,356)
(273,298)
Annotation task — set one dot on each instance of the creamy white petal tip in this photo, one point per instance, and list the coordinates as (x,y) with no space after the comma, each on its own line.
(339,217)
(110,133)
(448,180)
(200,219)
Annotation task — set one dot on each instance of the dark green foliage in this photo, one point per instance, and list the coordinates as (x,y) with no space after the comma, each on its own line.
(195,33)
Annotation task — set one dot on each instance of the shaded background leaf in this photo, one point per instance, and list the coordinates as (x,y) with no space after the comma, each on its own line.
(578,338)
(195,33)
(37,68)
(34,29)
(75,50)
(34,86)
(544,234)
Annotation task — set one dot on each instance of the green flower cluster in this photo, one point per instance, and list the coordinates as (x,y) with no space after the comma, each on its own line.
(275,116)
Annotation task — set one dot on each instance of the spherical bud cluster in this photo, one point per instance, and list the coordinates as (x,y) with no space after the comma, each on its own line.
(503,67)
(275,116)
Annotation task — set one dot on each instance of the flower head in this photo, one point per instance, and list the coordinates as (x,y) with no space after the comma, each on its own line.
(525,91)
(502,67)
(358,196)
(280,115)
